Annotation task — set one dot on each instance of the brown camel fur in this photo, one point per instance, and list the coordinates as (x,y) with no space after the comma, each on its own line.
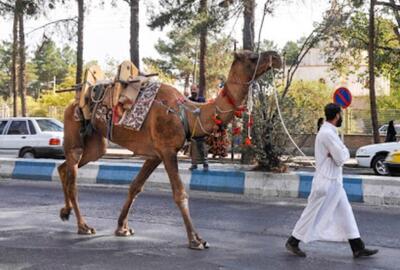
(159,140)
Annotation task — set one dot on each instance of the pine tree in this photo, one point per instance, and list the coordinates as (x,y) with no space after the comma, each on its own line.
(201,18)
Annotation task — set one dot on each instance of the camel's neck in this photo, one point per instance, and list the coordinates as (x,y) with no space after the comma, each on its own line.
(228,100)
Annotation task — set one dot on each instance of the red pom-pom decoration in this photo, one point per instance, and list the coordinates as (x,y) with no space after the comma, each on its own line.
(236,131)
(239,114)
(247,141)
(216,119)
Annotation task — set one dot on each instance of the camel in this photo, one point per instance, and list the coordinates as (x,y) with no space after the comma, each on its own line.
(159,140)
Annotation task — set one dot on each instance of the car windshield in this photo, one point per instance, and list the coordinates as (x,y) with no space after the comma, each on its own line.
(49,125)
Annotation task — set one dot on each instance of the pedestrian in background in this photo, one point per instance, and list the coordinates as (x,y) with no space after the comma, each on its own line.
(391,133)
(319,123)
(198,151)
(328,215)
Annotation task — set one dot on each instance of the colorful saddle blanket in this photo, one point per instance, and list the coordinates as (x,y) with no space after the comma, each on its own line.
(134,117)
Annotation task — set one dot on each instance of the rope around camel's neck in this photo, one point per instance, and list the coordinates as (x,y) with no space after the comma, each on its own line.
(224,107)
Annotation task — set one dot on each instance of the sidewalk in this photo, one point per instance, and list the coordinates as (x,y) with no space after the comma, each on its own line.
(120,153)
(236,179)
(310,160)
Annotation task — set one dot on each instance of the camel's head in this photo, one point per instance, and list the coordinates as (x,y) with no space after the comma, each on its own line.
(245,64)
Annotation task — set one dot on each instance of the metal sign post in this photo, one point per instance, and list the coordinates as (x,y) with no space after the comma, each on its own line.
(343,97)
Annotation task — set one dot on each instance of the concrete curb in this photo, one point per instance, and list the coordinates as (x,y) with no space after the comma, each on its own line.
(371,190)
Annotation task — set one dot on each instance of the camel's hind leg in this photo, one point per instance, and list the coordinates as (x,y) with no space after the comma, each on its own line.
(135,188)
(182,200)
(76,156)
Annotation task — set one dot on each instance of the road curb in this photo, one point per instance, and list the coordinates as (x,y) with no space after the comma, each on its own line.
(373,190)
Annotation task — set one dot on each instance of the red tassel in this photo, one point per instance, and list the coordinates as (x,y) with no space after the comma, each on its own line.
(230,99)
(216,119)
(247,141)
(236,131)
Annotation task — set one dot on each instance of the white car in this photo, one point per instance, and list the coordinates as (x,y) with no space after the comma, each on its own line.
(31,137)
(374,155)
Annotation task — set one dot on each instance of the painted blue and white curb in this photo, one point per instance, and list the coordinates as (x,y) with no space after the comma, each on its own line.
(369,189)
(352,185)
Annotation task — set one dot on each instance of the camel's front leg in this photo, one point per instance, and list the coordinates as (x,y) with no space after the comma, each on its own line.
(68,174)
(135,188)
(72,171)
(182,200)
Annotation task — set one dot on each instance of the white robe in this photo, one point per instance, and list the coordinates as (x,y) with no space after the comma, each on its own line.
(328,215)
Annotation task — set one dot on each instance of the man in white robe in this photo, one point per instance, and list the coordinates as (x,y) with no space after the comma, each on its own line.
(328,215)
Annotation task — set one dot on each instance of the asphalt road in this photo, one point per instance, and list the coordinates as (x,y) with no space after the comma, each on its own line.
(242,234)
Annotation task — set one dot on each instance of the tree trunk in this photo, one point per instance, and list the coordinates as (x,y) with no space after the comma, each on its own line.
(79,50)
(371,62)
(248,28)
(396,13)
(14,63)
(22,59)
(203,51)
(134,41)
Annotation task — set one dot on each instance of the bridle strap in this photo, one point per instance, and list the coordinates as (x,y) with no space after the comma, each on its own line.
(252,80)
(226,93)
(231,100)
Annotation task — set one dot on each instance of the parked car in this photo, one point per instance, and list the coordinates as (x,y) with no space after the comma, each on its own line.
(31,137)
(392,163)
(383,129)
(374,155)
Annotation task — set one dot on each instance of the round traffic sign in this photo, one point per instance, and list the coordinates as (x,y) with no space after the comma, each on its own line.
(342,97)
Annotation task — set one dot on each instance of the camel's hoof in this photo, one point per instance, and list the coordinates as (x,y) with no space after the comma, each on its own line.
(196,245)
(125,232)
(205,244)
(86,230)
(65,213)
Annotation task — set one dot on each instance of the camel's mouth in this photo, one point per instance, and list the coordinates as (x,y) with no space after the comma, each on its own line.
(269,59)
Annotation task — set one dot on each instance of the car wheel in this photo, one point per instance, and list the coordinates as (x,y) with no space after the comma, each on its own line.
(27,153)
(378,164)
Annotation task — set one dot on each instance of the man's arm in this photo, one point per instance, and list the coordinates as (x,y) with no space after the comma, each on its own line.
(336,149)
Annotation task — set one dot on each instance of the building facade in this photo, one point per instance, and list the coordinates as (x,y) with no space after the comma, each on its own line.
(315,67)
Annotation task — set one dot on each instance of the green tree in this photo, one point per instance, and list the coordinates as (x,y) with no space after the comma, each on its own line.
(5,69)
(354,35)
(290,51)
(49,61)
(19,9)
(178,55)
(309,99)
(200,17)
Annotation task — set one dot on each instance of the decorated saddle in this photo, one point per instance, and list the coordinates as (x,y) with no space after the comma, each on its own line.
(125,101)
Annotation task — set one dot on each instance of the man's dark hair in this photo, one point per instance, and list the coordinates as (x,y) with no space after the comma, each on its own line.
(331,110)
